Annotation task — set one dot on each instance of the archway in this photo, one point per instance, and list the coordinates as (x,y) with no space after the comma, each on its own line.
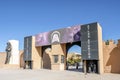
(21,60)
(73,57)
(46,57)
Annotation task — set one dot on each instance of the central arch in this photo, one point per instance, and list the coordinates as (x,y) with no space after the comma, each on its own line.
(71,62)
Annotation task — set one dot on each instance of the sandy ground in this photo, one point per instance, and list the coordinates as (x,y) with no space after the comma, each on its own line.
(43,74)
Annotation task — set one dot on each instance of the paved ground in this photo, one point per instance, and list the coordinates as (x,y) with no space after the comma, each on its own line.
(20,74)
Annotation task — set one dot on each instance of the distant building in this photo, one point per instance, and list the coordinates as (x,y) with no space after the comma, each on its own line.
(74,55)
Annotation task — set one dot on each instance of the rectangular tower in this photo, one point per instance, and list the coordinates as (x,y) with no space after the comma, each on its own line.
(32,54)
(91,45)
(28,52)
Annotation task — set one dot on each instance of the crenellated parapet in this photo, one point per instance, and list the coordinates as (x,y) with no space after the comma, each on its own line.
(109,42)
(118,44)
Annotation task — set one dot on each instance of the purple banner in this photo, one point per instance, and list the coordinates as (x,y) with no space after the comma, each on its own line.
(65,35)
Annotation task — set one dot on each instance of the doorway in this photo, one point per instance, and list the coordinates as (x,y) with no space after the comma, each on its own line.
(46,61)
(73,57)
(91,66)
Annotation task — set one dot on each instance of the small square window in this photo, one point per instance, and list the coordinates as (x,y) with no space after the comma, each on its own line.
(62,58)
(55,57)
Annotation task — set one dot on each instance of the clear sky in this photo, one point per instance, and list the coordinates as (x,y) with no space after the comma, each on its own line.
(20,18)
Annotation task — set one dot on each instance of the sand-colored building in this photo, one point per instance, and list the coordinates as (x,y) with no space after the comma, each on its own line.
(10,66)
(111,56)
(49,50)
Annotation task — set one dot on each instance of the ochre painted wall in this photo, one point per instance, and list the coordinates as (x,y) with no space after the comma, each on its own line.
(58,49)
(111,57)
(3,58)
(36,55)
(21,59)
(100,50)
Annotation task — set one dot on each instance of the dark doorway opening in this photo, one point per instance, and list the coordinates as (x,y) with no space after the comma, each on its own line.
(92,66)
(28,65)
(46,61)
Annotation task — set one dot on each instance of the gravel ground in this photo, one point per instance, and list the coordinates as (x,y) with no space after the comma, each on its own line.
(43,74)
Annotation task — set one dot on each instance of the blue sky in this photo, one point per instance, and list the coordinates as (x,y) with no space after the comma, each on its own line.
(20,18)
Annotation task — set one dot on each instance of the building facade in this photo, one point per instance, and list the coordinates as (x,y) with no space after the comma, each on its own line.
(111,56)
(49,50)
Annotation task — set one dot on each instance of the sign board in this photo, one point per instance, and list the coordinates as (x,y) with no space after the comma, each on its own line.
(65,35)
(89,41)
(27,48)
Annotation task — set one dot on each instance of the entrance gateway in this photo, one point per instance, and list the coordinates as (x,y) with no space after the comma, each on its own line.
(48,50)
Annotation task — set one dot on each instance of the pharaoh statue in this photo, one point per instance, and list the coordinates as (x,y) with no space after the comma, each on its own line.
(12,52)
(8,51)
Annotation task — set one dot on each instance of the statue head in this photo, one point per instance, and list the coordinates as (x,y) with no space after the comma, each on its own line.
(9,47)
